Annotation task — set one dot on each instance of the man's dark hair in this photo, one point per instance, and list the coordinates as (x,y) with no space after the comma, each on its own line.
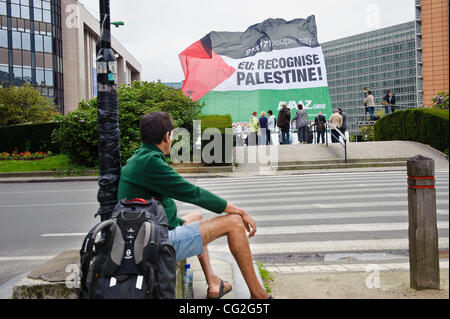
(300,106)
(270,112)
(369,92)
(154,126)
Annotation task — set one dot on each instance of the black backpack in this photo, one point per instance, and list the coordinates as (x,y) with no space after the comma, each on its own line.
(133,259)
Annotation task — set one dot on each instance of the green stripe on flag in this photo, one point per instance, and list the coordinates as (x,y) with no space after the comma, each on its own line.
(241,104)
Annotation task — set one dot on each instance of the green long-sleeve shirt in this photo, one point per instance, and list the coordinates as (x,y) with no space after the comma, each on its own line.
(148,174)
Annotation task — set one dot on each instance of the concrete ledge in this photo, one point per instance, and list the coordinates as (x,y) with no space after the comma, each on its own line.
(48,281)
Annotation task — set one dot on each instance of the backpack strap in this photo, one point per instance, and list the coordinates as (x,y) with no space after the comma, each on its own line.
(151,253)
(87,251)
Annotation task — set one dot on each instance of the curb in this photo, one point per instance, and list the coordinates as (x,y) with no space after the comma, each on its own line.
(39,178)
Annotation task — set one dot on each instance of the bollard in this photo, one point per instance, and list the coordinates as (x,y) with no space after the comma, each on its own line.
(423,233)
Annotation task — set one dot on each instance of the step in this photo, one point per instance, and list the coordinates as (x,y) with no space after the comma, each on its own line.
(339,161)
(204,169)
(341,165)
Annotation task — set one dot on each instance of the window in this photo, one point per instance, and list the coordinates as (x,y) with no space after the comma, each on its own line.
(26,41)
(39,43)
(39,76)
(49,77)
(3,39)
(3,8)
(27,75)
(37,14)
(16,40)
(17,72)
(46,16)
(15,10)
(25,11)
(48,44)
(4,72)
(46,5)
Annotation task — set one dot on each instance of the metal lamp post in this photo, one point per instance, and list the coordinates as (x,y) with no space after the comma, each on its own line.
(108,118)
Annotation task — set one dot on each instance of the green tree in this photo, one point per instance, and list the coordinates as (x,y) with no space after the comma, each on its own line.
(78,136)
(25,104)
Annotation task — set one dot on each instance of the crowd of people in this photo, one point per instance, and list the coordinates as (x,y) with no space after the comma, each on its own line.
(262,129)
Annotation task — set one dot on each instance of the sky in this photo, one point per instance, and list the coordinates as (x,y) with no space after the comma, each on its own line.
(156,31)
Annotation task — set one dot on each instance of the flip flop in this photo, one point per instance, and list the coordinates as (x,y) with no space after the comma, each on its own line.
(219,294)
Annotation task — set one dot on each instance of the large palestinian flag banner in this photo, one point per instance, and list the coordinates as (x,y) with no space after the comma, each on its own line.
(272,62)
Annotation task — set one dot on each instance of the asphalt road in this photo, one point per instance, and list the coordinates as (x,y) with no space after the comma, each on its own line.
(298,214)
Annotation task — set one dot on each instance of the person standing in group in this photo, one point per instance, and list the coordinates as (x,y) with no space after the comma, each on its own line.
(253,130)
(271,124)
(262,136)
(320,121)
(370,102)
(284,119)
(343,127)
(301,123)
(335,120)
(389,102)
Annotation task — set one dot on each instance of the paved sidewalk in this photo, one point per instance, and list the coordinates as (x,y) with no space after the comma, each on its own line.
(327,280)
(227,269)
(355,284)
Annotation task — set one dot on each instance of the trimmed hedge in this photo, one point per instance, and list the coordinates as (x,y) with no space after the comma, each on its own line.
(220,122)
(424,125)
(31,137)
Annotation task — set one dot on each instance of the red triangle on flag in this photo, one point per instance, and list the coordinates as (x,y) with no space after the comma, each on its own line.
(202,71)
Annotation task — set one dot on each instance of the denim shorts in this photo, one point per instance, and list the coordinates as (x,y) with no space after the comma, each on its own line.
(186,240)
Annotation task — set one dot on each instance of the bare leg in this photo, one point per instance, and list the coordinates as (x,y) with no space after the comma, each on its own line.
(233,227)
(211,277)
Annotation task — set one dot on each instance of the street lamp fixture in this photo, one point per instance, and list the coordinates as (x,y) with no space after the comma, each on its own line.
(118,23)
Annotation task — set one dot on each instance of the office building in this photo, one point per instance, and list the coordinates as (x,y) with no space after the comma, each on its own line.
(432,47)
(379,60)
(51,44)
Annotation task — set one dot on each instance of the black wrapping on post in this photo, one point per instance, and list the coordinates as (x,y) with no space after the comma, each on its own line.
(108,119)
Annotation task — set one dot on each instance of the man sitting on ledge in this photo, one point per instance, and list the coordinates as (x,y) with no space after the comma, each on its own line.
(147,174)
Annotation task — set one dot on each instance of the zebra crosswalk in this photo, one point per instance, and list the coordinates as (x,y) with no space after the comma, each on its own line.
(325,213)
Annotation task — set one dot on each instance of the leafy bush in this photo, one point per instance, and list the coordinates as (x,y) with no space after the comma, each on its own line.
(425,125)
(30,137)
(220,122)
(78,135)
(440,100)
(25,104)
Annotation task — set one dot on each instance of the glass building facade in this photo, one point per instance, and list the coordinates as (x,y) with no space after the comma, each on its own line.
(31,46)
(380,60)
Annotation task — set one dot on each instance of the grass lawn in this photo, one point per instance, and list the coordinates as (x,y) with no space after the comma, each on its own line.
(51,163)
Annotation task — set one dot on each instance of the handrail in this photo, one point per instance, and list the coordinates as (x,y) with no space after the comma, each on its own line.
(328,124)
